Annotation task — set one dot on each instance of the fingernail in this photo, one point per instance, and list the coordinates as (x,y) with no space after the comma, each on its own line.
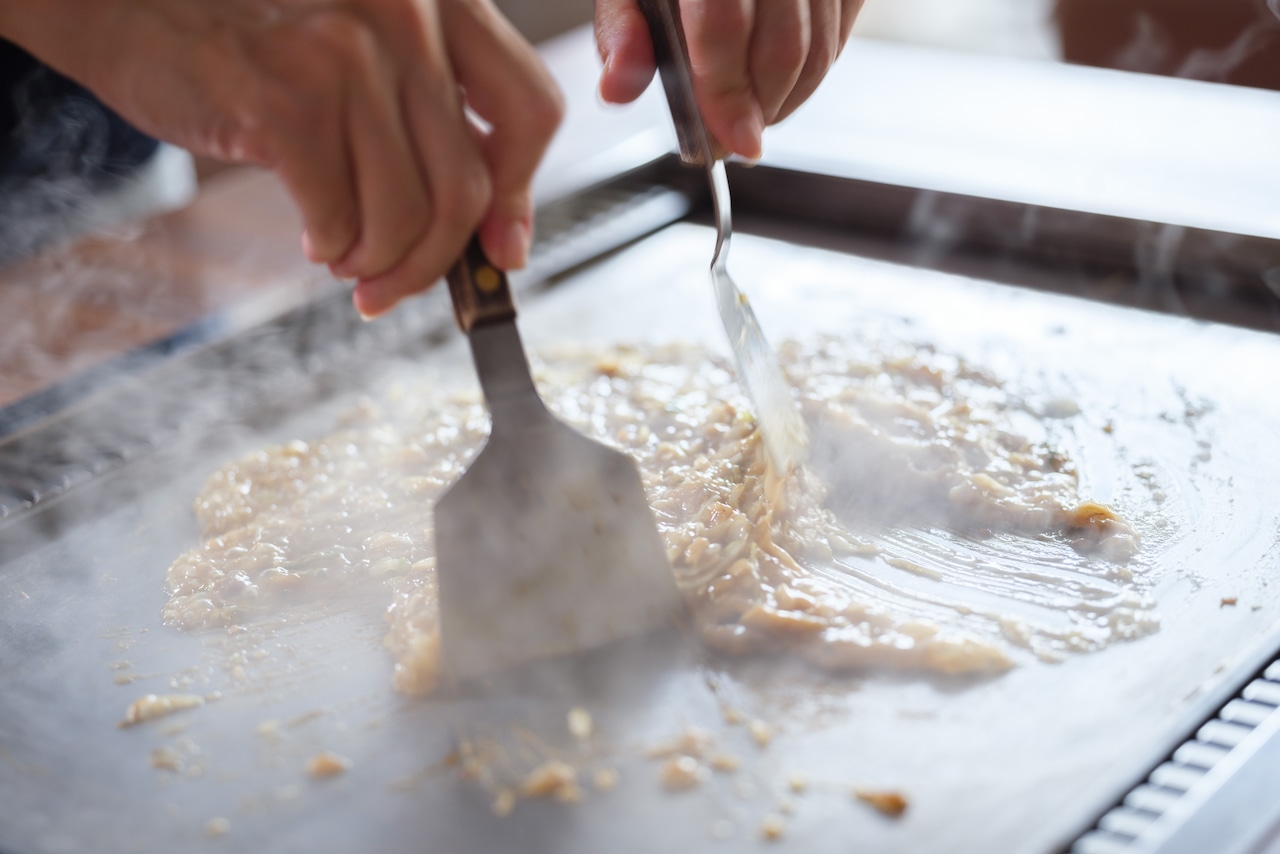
(747,135)
(340,274)
(604,72)
(359,298)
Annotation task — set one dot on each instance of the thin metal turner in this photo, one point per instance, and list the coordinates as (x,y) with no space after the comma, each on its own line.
(546,545)
(778,418)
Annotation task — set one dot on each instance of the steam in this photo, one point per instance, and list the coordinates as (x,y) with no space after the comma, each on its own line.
(1153,49)
(1217,65)
(59,148)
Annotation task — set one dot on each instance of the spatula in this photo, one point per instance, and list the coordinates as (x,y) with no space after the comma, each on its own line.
(777,416)
(546,545)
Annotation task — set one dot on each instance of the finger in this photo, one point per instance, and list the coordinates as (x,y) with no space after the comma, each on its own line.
(317,170)
(824,46)
(849,10)
(622,38)
(299,103)
(390,183)
(779,47)
(457,175)
(507,85)
(719,35)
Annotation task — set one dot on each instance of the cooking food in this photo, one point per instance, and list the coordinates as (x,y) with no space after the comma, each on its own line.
(152,706)
(926,478)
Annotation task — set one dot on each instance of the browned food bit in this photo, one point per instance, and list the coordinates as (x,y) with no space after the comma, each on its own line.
(503,803)
(580,723)
(892,804)
(1227,601)
(166,758)
(761,733)
(553,778)
(216,828)
(152,706)
(694,741)
(326,764)
(727,762)
(605,779)
(772,828)
(681,773)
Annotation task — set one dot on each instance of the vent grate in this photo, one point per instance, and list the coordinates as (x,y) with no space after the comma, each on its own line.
(1124,828)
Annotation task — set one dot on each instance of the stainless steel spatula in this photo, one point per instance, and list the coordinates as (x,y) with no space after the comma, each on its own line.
(777,416)
(546,545)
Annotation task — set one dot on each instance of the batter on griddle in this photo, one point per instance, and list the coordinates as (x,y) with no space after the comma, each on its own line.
(913,440)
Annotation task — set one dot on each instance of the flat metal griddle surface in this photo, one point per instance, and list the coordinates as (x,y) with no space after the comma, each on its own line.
(1019,763)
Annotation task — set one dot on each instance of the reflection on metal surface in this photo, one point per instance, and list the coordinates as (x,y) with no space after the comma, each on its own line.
(1215,793)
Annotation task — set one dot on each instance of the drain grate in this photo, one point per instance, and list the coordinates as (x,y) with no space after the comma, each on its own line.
(1128,827)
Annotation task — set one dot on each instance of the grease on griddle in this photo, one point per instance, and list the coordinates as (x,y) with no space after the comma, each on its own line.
(921,438)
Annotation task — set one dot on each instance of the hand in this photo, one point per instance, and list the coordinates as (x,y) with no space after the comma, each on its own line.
(754,61)
(357,104)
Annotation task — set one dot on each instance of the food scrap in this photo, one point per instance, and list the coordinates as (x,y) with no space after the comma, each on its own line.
(326,764)
(726,762)
(553,779)
(215,828)
(1228,601)
(761,732)
(681,773)
(605,779)
(167,759)
(503,803)
(772,828)
(694,741)
(580,723)
(152,706)
(892,804)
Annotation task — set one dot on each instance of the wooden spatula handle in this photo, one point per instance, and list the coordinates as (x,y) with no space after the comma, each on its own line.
(479,290)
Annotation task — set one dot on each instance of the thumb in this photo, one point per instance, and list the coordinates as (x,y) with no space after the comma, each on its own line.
(622,37)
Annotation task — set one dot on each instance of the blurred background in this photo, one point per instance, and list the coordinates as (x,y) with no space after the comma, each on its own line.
(1228,41)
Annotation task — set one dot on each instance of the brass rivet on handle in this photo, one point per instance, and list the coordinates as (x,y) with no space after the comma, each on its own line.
(487,279)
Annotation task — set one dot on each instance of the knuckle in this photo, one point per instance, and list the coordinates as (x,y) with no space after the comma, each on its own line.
(249,140)
(340,34)
(466,195)
(786,48)
(822,55)
(335,227)
(542,112)
(398,235)
(550,109)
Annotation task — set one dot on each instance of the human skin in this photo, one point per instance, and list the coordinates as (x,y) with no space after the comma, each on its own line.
(361,106)
(754,61)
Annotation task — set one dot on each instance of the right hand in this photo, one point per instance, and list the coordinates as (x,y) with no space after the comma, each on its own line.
(357,104)
(754,61)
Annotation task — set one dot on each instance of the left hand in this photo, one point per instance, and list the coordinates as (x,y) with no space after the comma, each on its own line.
(754,61)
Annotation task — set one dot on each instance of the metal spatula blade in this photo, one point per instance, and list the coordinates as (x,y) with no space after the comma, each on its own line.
(778,418)
(546,545)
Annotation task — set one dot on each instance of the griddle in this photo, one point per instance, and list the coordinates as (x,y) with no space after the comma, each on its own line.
(1026,762)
